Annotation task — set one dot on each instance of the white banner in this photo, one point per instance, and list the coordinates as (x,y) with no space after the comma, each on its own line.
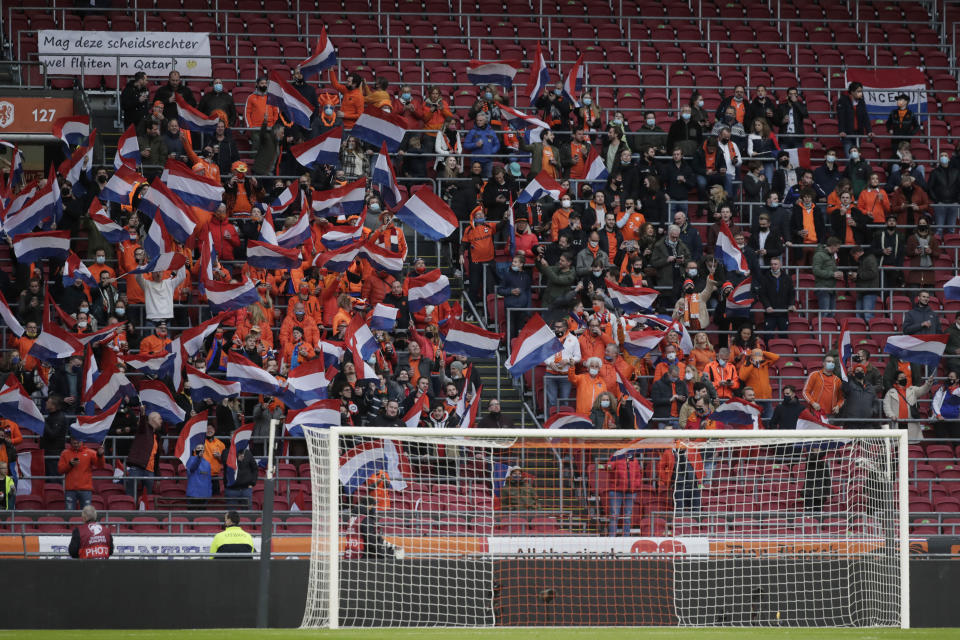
(95,52)
(539,545)
(136,545)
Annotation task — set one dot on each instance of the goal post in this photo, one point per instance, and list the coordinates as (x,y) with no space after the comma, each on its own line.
(530,527)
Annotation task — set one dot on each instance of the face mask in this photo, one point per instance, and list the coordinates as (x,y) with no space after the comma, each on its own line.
(101,259)
(405,96)
(587,101)
(828,366)
(262,89)
(120,311)
(488,96)
(514,268)
(774,204)
(858,374)
(374,207)
(218,87)
(944,160)
(721,362)
(594,371)
(902,381)
(84,309)
(597,274)
(692,273)
(617,121)
(328,111)
(700,103)
(685,116)
(102,179)
(604,403)
(671,357)
(651,122)
(788,399)
(565,204)
(479,219)
(82,324)
(594,243)
(923,229)
(831,159)
(854,155)
(688,375)
(559,333)
(557,92)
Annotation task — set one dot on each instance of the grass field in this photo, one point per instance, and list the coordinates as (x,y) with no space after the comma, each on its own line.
(552,633)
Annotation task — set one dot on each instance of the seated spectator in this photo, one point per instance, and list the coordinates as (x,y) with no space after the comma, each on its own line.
(518,493)
(76,464)
(908,165)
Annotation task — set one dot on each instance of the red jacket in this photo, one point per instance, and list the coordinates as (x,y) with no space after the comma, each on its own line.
(224,245)
(626,475)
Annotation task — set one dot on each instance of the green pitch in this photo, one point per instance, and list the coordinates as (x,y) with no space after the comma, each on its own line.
(580,633)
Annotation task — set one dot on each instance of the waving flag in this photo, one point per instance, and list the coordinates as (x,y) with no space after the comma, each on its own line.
(79,163)
(845,350)
(500,72)
(632,299)
(160,366)
(223,296)
(110,230)
(412,417)
(597,173)
(431,288)
(308,383)
(347,200)
(45,206)
(250,377)
(918,349)
(268,234)
(365,372)
(110,386)
(740,299)
(17,203)
(128,150)
(324,149)
(156,397)
(639,343)
(159,201)
(287,197)
(282,94)
(738,413)
(808,420)
(469,340)
(470,415)
(337,236)
(429,215)
(169,261)
(332,353)
(376,127)
(566,420)
(367,458)
(540,186)
(296,235)
(385,178)
(360,338)
(519,120)
(74,269)
(539,76)
(642,409)
(728,252)
(72,130)
(17,406)
(194,189)
(951,289)
(946,403)
(193,119)
(8,317)
(94,428)
(575,82)
(338,260)
(203,386)
(535,343)
(192,435)
(192,339)
(324,57)
(383,317)
(382,259)
(33,247)
(158,241)
(265,256)
(98,336)
(16,165)
(324,413)
(239,441)
(120,185)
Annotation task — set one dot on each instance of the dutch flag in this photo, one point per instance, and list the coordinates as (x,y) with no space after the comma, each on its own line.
(535,343)
(741,299)
(192,435)
(110,386)
(72,130)
(110,230)
(195,190)
(519,120)
(100,335)
(16,165)
(94,428)
(332,353)
(15,204)
(918,349)
(575,82)
(75,269)
(287,197)
(203,386)
(542,185)
(120,185)
(642,409)
(323,413)
(366,459)
(566,420)
(338,260)
(365,372)
(17,406)
(951,289)
(337,236)
(45,205)
(160,366)
(383,317)
(808,421)
(946,403)
(79,163)
(383,259)
(738,413)
(470,415)
(430,216)
(500,72)
(296,235)
(177,219)
(192,339)
(639,343)
(32,247)
(412,417)
(469,340)
(193,119)
(281,93)
(539,76)
(597,173)
(308,383)
(728,252)
(266,256)
(128,150)
(321,150)
(360,338)
(239,440)
(632,299)
(168,261)
(224,296)
(845,350)
(376,127)
(324,57)
(431,288)
(250,377)
(8,317)
(384,177)
(347,200)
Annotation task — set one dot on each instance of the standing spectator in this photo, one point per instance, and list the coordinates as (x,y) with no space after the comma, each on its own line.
(168,92)
(944,191)
(685,133)
(847,222)
(515,287)
(54,435)
(922,319)
(544,155)
(729,158)
(554,108)
(604,413)
(555,386)
(827,274)
(785,176)
(787,413)
(484,142)
(434,111)
(90,539)
(495,418)
(852,117)
(737,102)
(807,225)
(351,100)
(889,246)
(144,455)
(906,165)
(873,200)
(867,277)
(517,495)
(199,484)
(269,147)
(789,118)
(823,390)
(158,293)
(478,246)
(679,179)
(135,99)
(76,464)
(214,453)
(650,135)
(755,373)
(860,400)
(153,150)
(909,201)
(778,297)
(763,106)
(668,257)
(626,479)
(857,172)
(902,124)
(8,488)
(922,251)
(588,385)
(220,100)
(766,241)
(667,396)
(901,400)
(828,174)
(723,375)
(762,146)
(558,280)
(952,352)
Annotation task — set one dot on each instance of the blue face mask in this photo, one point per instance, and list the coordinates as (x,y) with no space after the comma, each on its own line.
(488,96)
(373,208)
(651,122)
(218,87)
(479,219)
(405,97)
(944,160)
(685,116)
(557,92)
(328,111)
(587,101)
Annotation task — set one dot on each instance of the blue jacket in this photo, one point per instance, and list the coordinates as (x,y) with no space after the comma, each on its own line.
(511,280)
(484,141)
(199,482)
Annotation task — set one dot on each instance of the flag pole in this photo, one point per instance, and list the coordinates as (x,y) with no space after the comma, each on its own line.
(266,531)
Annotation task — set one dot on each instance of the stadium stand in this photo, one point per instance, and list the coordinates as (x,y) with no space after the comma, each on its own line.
(645,65)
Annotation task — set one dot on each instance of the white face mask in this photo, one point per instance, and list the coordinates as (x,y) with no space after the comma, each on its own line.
(565,204)
(101,259)
(854,155)
(831,159)
(604,403)
(594,371)
(671,357)
(688,375)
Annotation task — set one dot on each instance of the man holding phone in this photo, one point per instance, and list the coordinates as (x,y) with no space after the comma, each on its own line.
(77,464)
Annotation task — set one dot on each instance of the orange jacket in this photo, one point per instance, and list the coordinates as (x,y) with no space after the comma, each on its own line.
(588,390)
(79,477)
(718,374)
(593,347)
(433,118)
(480,239)
(825,390)
(211,447)
(255,109)
(758,378)
(125,257)
(154,345)
(875,204)
(351,102)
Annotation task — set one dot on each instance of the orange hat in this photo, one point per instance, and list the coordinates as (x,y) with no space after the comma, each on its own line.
(239,166)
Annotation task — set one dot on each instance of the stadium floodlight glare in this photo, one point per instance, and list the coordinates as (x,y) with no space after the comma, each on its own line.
(730,528)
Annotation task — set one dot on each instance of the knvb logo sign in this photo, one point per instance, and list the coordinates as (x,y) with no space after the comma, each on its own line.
(6,114)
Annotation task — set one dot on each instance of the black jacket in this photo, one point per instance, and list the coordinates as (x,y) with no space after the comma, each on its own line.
(686,134)
(796,224)
(773,243)
(778,293)
(247,471)
(675,189)
(661,392)
(54,438)
(944,184)
(902,128)
(170,108)
(799,113)
(785,415)
(845,113)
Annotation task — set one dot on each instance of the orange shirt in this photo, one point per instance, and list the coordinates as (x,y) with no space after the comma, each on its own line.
(255,109)
(825,390)
(480,239)
(546,158)
(631,230)
(593,347)
(700,358)
(351,103)
(559,221)
(758,378)
(808,222)
(578,158)
(874,203)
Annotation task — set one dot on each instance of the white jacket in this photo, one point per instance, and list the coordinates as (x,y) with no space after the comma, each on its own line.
(158,296)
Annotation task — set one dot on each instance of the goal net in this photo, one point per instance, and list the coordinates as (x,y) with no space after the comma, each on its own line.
(448,528)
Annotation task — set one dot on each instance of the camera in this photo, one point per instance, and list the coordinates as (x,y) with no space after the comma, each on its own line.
(855,358)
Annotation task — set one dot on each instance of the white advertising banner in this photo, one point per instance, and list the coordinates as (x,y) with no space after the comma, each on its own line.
(546,545)
(96,52)
(137,545)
